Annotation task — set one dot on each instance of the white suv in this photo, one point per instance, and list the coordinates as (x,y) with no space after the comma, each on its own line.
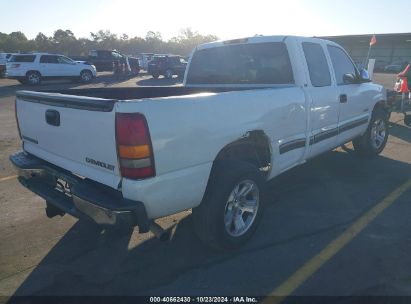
(33,68)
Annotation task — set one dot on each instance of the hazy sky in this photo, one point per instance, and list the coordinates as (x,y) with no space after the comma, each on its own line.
(226,19)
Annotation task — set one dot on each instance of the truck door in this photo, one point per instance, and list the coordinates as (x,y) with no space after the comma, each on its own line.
(324,106)
(354,98)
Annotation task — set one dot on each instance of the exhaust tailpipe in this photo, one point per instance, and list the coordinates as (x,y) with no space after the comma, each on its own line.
(159,232)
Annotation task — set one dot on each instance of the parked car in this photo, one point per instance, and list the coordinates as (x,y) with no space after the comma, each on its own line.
(33,68)
(167,65)
(380,65)
(113,61)
(3,60)
(144,59)
(395,67)
(249,110)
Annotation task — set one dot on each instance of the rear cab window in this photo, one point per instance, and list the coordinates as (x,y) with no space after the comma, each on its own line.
(254,63)
(22,58)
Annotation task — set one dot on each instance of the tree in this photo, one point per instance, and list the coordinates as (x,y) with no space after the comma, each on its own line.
(43,43)
(65,42)
(18,36)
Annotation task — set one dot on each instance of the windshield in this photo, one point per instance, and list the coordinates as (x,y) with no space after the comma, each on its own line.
(259,63)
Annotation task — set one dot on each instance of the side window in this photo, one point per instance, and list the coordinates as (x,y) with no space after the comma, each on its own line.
(317,64)
(48,59)
(64,60)
(342,63)
(105,55)
(22,58)
(93,54)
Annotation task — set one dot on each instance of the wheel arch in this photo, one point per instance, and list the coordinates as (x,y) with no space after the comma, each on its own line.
(383,106)
(253,147)
(86,70)
(31,71)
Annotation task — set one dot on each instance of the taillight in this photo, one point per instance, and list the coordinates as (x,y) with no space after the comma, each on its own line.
(15,115)
(15,65)
(134,146)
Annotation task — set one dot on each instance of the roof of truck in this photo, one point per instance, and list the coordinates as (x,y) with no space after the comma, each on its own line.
(256,39)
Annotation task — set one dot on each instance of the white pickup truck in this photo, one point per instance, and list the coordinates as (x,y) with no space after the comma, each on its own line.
(249,110)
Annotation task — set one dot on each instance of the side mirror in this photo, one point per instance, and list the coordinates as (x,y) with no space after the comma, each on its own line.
(364,76)
(349,78)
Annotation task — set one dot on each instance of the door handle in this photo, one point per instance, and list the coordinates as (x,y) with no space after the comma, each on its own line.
(343,98)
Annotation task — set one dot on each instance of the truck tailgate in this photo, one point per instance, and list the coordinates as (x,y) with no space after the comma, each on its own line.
(74,133)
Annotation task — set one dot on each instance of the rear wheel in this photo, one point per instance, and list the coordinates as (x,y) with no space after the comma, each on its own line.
(373,141)
(155,76)
(231,208)
(33,78)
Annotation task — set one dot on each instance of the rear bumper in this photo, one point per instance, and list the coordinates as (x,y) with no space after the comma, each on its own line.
(79,197)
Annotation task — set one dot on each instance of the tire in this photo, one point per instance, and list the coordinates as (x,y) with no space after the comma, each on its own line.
(155,76)
(168,74)
(86,76)
(33,78)
(22,81)
(407,120)
(215,220)
(373,141)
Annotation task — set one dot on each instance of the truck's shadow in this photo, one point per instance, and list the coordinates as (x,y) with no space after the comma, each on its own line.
(400,131)
(159,82)
(87,261)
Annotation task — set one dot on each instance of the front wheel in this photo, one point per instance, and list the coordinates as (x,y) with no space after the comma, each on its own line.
(231,209)
(155,76)
(86,76)
(373,141)
(407,119)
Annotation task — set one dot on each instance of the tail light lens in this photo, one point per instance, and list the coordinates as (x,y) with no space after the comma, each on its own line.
(134,146)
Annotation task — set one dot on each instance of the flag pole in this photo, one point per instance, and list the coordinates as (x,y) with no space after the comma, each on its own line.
(372,42)
(368,57)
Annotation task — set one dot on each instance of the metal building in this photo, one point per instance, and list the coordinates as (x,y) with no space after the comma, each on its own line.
(390,48)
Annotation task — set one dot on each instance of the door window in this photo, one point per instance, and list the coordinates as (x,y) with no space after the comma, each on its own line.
(64,60)
(342,64)
(48,59)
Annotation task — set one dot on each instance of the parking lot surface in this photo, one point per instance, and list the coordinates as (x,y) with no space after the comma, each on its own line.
(336,226)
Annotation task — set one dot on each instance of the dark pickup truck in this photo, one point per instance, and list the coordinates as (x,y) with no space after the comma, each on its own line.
(167,65)
(113,61)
